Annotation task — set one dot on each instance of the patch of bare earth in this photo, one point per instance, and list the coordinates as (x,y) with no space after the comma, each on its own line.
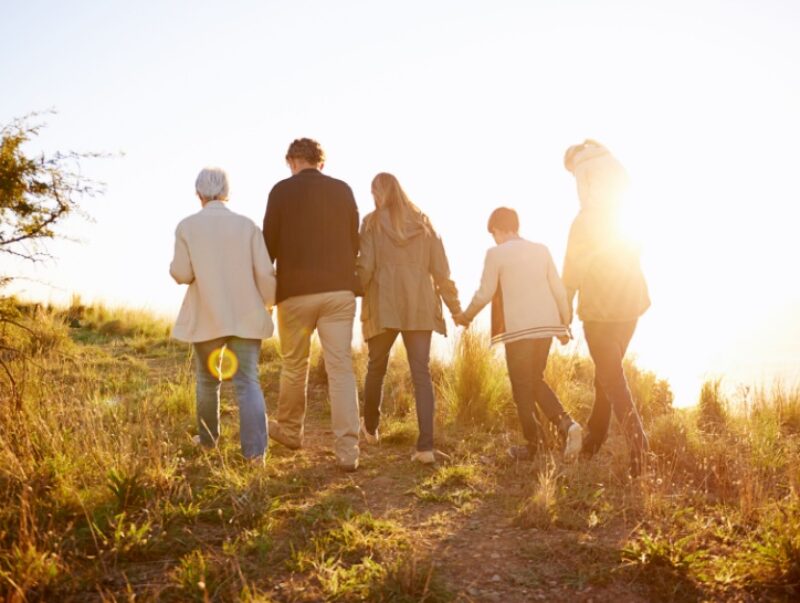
(477,549)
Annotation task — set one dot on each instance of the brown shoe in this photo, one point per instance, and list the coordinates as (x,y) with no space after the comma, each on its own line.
(276,435)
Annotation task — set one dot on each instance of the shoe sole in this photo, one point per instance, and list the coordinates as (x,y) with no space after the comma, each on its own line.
(574,443)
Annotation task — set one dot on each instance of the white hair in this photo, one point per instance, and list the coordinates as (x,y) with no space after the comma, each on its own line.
(212,184)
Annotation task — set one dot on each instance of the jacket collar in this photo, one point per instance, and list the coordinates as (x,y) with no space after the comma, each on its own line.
(215,205)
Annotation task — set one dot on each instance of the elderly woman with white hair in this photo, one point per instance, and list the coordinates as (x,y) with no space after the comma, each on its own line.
(221,255)
(602,266)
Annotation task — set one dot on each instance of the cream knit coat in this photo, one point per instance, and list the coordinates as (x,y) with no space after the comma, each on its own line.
(528,298)
(221,255)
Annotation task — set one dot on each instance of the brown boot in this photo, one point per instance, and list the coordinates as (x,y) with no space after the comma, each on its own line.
(276,435)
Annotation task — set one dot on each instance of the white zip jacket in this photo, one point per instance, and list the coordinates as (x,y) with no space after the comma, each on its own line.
(221,255)
(528,298)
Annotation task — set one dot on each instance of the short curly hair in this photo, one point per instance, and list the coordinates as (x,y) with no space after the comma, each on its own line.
(306,149)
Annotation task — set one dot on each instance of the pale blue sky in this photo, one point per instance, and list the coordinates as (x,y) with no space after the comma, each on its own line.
(471,105)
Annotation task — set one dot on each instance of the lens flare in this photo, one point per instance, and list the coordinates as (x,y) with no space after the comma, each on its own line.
(223,364)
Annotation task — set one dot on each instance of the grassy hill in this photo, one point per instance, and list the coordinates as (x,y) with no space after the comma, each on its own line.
(103,496)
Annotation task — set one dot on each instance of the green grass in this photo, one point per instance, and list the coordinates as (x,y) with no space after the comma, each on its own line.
(455,484)
(104,496)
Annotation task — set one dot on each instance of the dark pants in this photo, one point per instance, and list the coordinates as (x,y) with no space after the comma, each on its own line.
(607,343)
(418,350)
(526,360)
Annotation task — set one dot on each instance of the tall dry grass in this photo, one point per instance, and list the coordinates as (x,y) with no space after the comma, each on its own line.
(476,391)
(97,471)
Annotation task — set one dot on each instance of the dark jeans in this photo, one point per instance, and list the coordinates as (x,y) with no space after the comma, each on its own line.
(418,349)
(526,360)
(607,343)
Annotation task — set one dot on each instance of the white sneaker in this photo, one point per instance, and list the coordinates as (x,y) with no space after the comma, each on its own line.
(426,457)
(368,437)
(574,443)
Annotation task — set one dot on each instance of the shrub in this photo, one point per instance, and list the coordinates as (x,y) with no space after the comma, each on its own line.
(712,414)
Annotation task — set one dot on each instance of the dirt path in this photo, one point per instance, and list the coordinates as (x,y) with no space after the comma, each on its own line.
(470,533)
(460,515)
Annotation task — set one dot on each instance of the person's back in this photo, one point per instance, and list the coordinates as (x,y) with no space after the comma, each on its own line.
(311,231)
(406,275)
(603,266)
(218,239)
(532,295)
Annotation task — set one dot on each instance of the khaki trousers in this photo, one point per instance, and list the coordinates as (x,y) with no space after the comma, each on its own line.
(332,315)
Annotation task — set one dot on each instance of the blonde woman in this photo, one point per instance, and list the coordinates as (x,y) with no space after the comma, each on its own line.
(405,275)
(603,268)
(222,257)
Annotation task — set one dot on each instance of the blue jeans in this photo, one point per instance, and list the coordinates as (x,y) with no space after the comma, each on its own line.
(418,349)
(252,411)
(608,342)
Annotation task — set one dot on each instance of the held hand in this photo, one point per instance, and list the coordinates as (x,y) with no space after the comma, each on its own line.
(461,320)
(563,339)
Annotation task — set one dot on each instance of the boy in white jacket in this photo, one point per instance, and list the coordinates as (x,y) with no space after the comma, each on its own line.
(529,308)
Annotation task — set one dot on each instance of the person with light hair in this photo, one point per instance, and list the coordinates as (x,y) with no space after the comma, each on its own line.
(602,266)
(311,231)
(405,275)
(222,257)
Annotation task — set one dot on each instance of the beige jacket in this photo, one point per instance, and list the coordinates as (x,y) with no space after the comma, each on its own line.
(604,268)
(601,264)
(404,279)
(221,255)
(527,295)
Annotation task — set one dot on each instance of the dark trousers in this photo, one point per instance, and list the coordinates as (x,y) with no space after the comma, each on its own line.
(418,350)
(608,342)
(526,360)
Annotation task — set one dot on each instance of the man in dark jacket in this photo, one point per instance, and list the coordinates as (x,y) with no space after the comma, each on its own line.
(311,231)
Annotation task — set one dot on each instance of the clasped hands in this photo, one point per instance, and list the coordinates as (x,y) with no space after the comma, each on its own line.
(461,320)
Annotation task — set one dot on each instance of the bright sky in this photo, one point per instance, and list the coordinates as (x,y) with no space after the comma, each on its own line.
(471,104)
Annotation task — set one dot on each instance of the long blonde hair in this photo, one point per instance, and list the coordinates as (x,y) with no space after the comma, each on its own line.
(389,195)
